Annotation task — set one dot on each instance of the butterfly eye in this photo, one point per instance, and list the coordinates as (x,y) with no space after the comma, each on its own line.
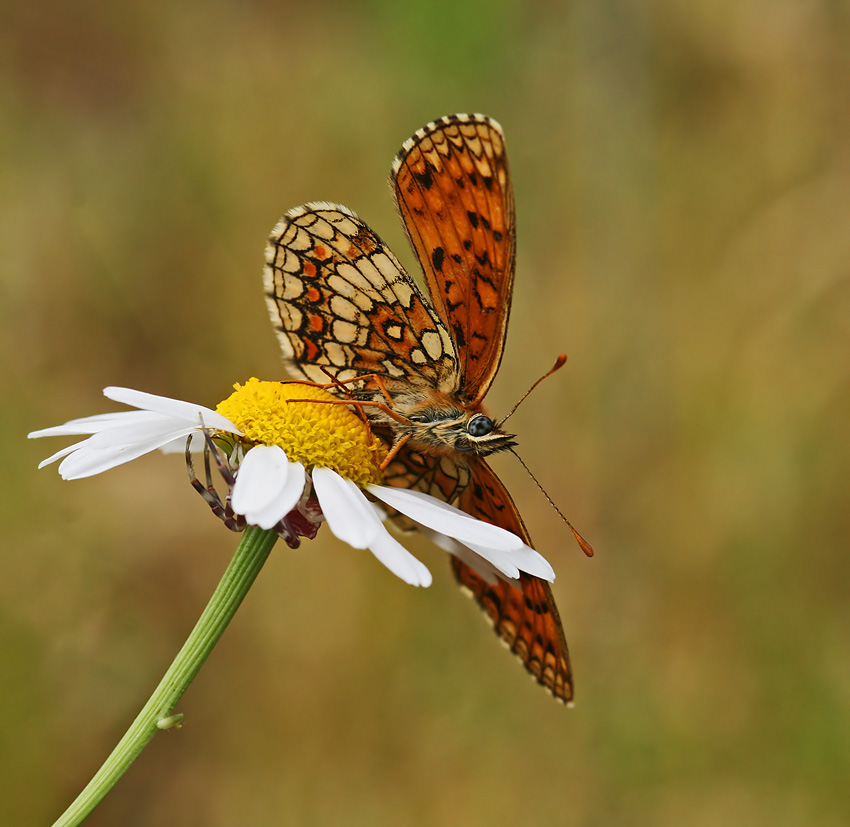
(479,425)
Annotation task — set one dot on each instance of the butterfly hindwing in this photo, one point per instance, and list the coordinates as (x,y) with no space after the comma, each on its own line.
(339,299)
(440,476)
(524,613)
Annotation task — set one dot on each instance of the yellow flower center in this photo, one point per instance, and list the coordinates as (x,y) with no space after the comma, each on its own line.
(320,433)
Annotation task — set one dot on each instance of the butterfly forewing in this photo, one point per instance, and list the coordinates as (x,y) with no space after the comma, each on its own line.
(453,190)
(339,299)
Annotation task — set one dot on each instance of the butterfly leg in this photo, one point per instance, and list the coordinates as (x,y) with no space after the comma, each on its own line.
(338,383)
(341,383)
(358,403)
(396,447)
(379,381)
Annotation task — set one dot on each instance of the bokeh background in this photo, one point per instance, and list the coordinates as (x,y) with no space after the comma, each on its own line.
(682,175)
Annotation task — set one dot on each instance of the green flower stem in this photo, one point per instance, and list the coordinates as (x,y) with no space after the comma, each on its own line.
(157,714)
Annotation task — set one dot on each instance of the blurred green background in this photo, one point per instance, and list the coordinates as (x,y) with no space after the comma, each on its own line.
(682,175)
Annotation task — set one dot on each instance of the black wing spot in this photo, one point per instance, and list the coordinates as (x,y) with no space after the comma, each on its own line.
(473,218)
(437,258)
(460,337)
(497,235)
(424,178)
(467,244)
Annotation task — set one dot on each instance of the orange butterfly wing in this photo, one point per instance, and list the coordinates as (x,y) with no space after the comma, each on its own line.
(440,476)
(524,616)
(453,190)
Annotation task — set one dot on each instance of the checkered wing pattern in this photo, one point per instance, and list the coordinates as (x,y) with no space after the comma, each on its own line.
(339,300)
(453,189)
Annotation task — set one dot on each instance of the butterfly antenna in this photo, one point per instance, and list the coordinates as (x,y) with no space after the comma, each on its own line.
(559,363)
(585,546)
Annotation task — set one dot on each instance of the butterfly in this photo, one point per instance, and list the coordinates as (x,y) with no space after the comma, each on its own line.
(343,305)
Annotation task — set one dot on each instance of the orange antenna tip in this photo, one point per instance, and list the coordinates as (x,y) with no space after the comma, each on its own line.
(585,546)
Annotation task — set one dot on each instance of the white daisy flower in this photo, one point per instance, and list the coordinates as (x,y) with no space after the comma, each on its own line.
(293,463)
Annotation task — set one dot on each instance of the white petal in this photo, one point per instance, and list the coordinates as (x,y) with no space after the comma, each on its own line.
(119,437)
(488,572)
(492,564)
(90,459)
(534,563)
(178,446)
(95,424)
(176,409)
(260,478)
(135,432)
(268,486)
(502,561)
(513,562)
(294,487)
(352,519)
(63,453)
(398,559)
(347,511)
(446,519)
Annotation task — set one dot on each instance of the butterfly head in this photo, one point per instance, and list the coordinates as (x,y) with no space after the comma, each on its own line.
(483,436)
(452,428)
